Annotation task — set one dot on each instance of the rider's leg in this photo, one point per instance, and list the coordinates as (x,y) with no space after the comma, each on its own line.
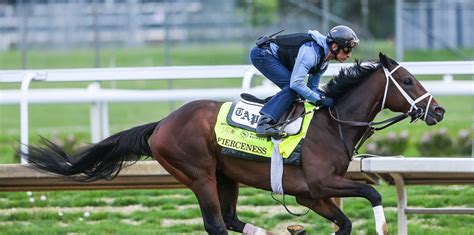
(269,66)
(279,103)
(273,110)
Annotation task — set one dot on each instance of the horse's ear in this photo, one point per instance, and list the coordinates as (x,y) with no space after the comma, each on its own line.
(386,61)
(383,60)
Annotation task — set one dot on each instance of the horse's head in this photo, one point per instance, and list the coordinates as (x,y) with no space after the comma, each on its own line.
(403,93)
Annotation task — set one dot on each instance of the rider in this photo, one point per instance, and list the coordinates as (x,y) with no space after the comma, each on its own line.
(287,59)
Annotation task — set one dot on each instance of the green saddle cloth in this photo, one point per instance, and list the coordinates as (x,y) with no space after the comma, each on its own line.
(241,140)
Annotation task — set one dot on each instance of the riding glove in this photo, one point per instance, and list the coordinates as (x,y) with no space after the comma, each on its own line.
(327,102)
(324,101)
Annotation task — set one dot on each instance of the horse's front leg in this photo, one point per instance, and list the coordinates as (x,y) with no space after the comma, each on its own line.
(207,195)
(338,186)
(329,210)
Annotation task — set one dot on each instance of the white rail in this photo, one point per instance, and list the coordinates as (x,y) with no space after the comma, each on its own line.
(445,68)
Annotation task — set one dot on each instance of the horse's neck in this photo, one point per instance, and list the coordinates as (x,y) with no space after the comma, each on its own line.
(361,104)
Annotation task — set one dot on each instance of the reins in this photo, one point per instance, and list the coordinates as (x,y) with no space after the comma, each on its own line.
(370,130)
(372,127)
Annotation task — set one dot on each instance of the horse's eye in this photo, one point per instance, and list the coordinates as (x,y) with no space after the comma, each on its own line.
(407,82)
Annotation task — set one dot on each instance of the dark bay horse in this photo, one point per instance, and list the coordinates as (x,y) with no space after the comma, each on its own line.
(184,143)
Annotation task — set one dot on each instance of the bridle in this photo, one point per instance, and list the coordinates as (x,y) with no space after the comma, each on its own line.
(419,111)
(415,112)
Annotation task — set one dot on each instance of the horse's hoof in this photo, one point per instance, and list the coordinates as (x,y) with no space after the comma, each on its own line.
(385,229)
(296,230)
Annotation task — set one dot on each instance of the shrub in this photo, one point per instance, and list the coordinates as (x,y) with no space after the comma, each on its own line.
(436,144)
(391,144)
(463,144)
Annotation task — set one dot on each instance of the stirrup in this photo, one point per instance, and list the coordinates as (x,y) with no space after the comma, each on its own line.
(265,128)
(268,132)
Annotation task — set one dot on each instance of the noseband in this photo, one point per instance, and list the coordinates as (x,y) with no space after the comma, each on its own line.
(415,112)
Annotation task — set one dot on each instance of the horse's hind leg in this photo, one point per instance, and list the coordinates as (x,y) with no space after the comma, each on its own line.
(329,210)
(228,190)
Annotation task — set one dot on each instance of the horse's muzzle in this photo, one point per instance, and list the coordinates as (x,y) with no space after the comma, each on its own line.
(435,115)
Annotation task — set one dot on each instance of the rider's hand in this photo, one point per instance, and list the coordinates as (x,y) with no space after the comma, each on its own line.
(316,103)
(327,102)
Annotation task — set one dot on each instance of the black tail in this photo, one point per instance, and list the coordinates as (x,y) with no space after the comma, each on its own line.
(103,160)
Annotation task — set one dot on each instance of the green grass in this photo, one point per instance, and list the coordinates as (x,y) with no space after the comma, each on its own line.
(176,211)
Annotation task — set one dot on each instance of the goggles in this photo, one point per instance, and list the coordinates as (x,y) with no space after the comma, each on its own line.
(353,43)
(347,48)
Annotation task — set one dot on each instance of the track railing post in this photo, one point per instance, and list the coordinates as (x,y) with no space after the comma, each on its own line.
(99,116)
(401,203)
(25,85)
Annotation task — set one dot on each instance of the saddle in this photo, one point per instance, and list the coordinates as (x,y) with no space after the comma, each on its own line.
(245,114)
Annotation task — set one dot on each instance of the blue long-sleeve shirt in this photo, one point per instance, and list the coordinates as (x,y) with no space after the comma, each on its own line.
(308,57)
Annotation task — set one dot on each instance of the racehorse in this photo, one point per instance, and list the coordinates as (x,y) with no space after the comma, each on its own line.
(184,143)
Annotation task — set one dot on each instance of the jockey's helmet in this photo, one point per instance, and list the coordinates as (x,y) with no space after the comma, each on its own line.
(343,36)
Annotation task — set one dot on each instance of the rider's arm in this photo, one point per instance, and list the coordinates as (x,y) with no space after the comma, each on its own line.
(305,60)
(313,80)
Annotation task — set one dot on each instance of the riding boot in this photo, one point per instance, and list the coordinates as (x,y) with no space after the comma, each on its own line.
(264,127)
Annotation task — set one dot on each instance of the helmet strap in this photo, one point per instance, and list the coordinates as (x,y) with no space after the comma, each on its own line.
(334,52)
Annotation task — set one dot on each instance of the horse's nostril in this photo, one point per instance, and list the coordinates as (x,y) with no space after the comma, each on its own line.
(439,110)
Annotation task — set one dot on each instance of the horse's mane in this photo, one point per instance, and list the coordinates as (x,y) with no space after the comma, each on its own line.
(349,77)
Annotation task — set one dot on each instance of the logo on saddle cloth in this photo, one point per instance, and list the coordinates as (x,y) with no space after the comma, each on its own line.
(244,115)
(235,129)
